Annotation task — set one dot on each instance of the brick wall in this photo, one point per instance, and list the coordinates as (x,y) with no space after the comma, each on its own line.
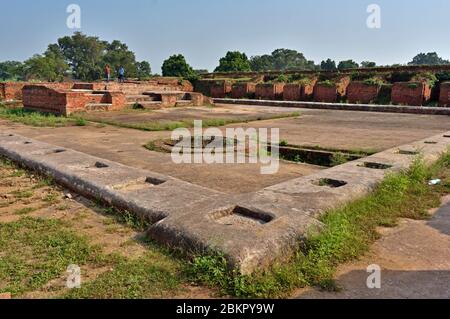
(243,90)
(331,94)
(13,90)
(307,90)
(221,89)
(269,91)
(444,95)
(292,92)
(64,102)
(360,92)
(411,93)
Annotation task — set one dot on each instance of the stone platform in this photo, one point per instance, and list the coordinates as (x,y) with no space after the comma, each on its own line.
(252,230)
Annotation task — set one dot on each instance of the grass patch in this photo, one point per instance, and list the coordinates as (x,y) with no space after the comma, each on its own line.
(38,119)
(348,233)
(35,251)
(161,125)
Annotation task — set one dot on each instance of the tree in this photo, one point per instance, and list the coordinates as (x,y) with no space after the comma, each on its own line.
(143,69)
(281,60)
(234,61)
(116,55)
(51,66)
(11,70)
(285,59)
(368,64)
(84,55)
(176,65)
(348,64)
(328,65)
(430,58)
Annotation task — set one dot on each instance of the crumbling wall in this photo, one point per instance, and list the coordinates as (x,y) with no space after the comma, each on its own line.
(292,92)
(220,89)
(269,91)
(444,95)
(360,92)
(411,93)
(243,90)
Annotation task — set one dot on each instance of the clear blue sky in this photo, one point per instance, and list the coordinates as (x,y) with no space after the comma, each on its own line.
(203,30)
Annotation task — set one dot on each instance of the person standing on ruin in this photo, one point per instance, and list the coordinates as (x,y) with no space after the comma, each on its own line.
(121,74)
(108,73)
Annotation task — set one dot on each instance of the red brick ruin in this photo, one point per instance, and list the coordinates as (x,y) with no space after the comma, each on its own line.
(333,87)
(67,98)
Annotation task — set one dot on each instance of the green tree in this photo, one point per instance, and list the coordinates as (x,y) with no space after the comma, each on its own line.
(368,64)
(285,59)
(11,71)
(234,61)
(348,64)
(328,65)
(51,66)
(116,55)
(261,63)
(176,65)
(84,55)
(281,60)
(430,58)
(143,69)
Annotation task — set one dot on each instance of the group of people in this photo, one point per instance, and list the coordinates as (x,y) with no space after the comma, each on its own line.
(121,73)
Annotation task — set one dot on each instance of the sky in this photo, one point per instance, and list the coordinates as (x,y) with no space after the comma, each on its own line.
(204,30)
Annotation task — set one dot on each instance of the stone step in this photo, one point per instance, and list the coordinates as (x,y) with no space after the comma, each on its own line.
(184,103)
(148,105)
(98,106)
(137,98)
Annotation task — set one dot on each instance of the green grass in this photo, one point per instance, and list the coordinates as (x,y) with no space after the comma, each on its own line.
(161,125)
(35,251)
(38,119)
(348,233)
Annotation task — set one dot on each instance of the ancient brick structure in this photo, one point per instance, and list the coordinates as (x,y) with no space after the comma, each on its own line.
(360,92)
(444,95)
(269,91)
(411,93)
(292,92)
(65,102)
(243,90)
(331,93)
(12,91)
(220,89)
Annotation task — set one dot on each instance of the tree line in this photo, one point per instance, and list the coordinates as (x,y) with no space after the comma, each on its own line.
(85,57)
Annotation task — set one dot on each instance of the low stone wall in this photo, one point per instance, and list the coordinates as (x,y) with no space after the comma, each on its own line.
(360,92)
(331,93)
(269,91)
(292,92)
(410,93)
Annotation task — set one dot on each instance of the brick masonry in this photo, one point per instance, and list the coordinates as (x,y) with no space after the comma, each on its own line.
(269,91)
(444,95)
(360,92)
(331,94)
(411,93)
(220,89)
(243,90)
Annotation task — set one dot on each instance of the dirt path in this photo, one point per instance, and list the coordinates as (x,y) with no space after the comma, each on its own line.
(414,258)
